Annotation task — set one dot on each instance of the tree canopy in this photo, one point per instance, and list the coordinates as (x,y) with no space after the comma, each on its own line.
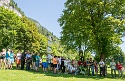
(93,25)
(20,33)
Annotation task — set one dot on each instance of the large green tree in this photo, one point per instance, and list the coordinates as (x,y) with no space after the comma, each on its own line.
(9,21)
(28,36)
(96,25)
(20,33)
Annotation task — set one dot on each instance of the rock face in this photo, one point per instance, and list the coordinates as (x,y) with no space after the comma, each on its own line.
(9,5)
(5,3)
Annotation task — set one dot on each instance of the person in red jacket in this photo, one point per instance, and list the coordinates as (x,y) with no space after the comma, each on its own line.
(120,69)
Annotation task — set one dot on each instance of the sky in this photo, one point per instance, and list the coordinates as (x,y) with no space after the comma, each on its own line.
(46,12)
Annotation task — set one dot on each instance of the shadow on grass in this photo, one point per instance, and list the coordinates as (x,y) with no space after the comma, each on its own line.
(70,75)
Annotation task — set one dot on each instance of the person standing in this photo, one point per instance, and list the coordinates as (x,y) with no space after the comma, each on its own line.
(88,67)
(62,65)
(49,60)
(91,66)
(113,68)
(66,66)
(120,69)
(102,68)
(7,58)
(96,67)
(55,61)
(44,62)
(18,59)
(23,56)
(3,54)
(37,62)
(34,61)
(28,60)
(11,59)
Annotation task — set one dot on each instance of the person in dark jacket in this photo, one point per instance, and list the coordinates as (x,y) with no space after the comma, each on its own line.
(23,60)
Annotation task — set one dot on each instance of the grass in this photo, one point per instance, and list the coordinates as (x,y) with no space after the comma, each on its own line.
(22,75)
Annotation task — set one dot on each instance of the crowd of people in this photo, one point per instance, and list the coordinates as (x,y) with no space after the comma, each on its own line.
(57,64)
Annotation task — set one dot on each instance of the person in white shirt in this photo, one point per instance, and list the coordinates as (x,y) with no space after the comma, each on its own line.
(66,65)
(102,68)
(113,68)
(72,69)
(49,60)
(18,59)
(69,68)
(59,64)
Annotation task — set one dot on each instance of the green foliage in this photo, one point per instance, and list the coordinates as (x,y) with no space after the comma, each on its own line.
(24,33)
(20,33)
(93,25)
(9,22)
(31,38)
(60,50)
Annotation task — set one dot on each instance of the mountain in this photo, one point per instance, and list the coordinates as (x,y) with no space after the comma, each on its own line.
(11,5)
(43,30)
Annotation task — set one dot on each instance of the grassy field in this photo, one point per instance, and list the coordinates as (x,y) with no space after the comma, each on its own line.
(22,75)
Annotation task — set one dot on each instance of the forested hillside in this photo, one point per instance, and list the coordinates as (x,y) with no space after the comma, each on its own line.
(19,32)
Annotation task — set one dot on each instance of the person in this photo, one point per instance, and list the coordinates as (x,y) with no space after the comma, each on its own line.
(44,62)
(102,68)
(37,62)
(120,69)
(75,63)
(80,62)
(23,56)
(28,60)
(87,67)
(96,67)
(59,64)
(7,58)
(3,54)
(55,61)
(91,66)
(34,61)
(84,64)
(113,68)
(69,68)
(66,66)
(18,59)
(62,65)
(11,59)
(73,70)
(49,61)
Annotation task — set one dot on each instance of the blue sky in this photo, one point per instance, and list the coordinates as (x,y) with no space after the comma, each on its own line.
(46,12)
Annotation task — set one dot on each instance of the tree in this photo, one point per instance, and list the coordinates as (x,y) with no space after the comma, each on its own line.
(97,25)
(20,33)
(9,21)
(30,36)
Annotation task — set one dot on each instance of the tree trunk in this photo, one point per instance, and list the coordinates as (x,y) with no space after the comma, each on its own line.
(102,56)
